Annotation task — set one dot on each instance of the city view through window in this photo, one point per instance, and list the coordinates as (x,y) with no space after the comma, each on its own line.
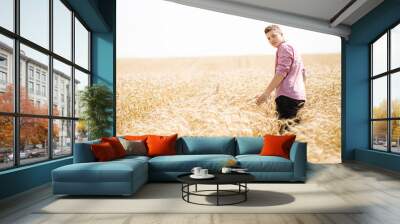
(39,100)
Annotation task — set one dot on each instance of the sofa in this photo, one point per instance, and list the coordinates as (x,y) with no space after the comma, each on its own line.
(126,175)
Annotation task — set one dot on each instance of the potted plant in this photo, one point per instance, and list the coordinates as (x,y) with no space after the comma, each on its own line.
(96,102)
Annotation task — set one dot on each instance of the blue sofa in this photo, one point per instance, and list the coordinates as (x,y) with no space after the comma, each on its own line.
(125,176)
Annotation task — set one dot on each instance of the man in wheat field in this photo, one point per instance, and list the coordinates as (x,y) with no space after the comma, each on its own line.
(289,79)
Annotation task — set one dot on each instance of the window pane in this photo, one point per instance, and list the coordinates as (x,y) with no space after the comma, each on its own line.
(6,74)
(379,55)
(395,136)
(81,131)
(81,81)
(6,142)
(7,14)
(34,78)
(62,89)
(35,21)
(62,138)
(379,135)
(395,94)
(379,97)
(62,29)
(395,47)
(33,140)
(81,45)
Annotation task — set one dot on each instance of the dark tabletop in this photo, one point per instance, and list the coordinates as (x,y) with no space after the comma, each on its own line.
(220,178)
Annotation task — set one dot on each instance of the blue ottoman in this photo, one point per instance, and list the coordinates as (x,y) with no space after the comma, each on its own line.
(118,177)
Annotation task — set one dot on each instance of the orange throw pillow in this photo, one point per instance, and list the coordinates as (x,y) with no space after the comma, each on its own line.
(103,151)
(277,145)
(161,145)
(136,137)
(116,145)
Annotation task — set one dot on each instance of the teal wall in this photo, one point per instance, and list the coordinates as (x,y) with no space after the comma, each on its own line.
(355,62)
(99,16)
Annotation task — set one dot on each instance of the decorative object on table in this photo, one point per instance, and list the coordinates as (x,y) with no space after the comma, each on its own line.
(237,170)
(200,173)
(96,102)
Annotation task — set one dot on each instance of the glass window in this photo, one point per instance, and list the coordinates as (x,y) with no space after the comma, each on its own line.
(81,131)
(43,90)
(395,138)
(379,56)
(62,29)
(6,142)
(379,135)
(379,97)
(7,14)
(395,95)
(81,45)
(3,60)
(62,72)
(62,137)
(6,74)
(34,80)
(395,47)
(34,21)
(81,81)
(33,140)
(30,72)
(40,62)
(30,87)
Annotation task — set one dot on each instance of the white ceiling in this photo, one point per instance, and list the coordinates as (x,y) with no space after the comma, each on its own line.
(315,15)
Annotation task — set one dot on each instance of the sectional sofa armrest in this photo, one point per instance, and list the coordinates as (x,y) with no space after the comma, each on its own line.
(83,152)
(298,155)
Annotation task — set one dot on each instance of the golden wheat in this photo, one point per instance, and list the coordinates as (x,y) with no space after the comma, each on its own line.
(215,96)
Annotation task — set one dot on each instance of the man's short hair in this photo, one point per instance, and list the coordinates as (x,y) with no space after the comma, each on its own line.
(272,27)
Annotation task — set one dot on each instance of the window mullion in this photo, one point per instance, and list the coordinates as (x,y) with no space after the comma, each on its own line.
(389,113)
(73,82)
(16,85)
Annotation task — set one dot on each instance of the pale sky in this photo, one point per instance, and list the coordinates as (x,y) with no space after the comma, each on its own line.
(159,28)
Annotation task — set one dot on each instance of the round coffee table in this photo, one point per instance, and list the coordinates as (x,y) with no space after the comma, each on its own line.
(238,179)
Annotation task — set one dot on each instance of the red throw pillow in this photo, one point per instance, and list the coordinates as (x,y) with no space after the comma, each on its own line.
(103,151)
(161,145)
(116,145)
(277,145)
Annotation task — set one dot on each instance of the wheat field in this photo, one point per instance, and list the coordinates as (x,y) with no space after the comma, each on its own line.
(215,96)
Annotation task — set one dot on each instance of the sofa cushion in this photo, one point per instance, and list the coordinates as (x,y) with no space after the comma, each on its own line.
(249,145)
(116,145)
(277,145)
(103,151)
(159,145)
(257,163)
(185,163)
(134,147)
(111,171)
(193,145)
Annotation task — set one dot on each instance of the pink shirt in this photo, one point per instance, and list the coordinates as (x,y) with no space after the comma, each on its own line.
(289,64)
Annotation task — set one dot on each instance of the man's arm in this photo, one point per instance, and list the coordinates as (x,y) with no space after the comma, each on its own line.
(271,87)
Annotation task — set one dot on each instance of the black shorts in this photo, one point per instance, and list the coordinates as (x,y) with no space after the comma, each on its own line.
(288,107)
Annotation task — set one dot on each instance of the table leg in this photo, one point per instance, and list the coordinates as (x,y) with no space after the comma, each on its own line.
(196,188)
(217,194)
(245,193)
